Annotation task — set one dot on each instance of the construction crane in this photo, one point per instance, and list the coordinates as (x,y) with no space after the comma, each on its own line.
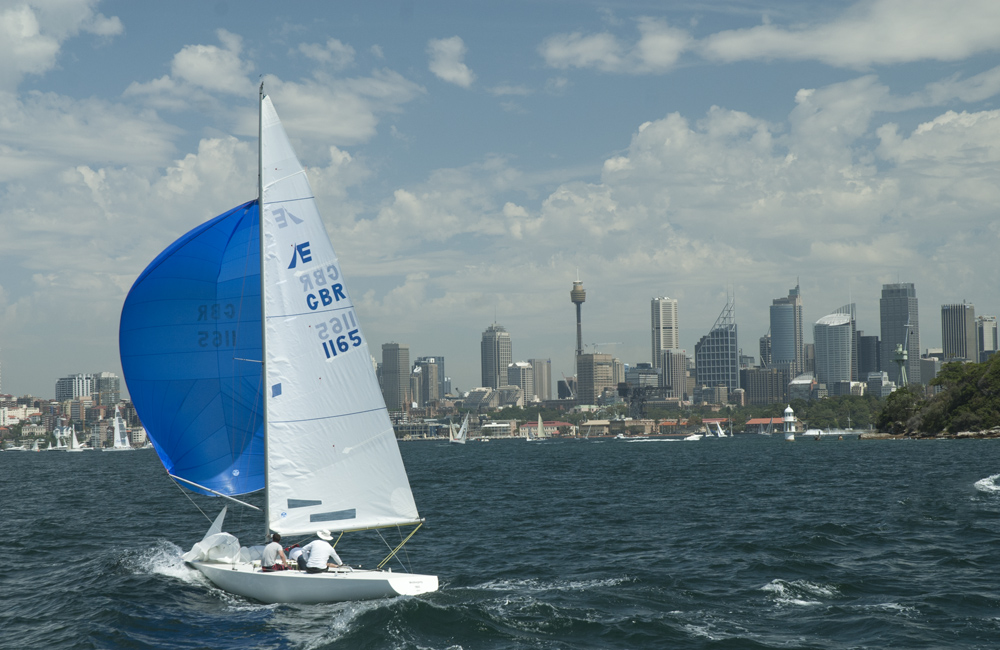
(594,346)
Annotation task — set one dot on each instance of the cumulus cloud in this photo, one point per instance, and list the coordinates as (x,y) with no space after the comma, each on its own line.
(325,108)
(32,32)
(333,53)
(447,61)
(871,33)
(656,51)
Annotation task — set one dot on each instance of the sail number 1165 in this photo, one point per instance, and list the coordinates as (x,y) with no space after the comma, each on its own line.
(341,344)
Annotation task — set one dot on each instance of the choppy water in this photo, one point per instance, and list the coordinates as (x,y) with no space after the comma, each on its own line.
(740,543)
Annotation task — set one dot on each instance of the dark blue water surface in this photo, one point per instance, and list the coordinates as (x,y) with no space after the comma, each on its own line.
(749,542)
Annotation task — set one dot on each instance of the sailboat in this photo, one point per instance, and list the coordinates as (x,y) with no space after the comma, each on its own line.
(121,442)
(292,407)
(74,444)
(459,436)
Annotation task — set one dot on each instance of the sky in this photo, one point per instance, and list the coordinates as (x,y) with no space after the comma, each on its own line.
(471,160)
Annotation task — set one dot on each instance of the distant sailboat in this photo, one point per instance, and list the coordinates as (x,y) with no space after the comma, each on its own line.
(121,442)
(244,356)
(459,436)
(74,444)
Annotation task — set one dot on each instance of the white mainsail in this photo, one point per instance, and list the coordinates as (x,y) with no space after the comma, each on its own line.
(332,458)
(121,432)
(459,436)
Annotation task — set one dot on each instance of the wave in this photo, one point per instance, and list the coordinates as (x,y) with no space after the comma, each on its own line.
(989,484)
(800,593)
(535,585)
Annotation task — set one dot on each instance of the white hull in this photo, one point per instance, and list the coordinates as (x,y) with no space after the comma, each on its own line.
(247,580)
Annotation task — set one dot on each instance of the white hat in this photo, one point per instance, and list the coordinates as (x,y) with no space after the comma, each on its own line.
(324,534)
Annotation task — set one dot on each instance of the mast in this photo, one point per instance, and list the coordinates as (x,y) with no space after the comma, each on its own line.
(263,321)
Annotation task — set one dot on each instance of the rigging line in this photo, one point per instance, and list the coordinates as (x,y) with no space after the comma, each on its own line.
(188,495)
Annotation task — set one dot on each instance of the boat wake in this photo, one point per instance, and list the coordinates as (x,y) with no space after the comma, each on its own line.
(989,484)
(533,585)
(799,593)
(164,559)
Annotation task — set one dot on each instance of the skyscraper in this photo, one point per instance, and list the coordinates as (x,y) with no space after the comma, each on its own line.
(594,374)
(106,387)
(396,376)
(496,356)
(73,386)
(717,354)
(898,315)
(522,375)
(429,384)
(765,350)
(986,328)
(542,369)
(834,339)
(438,361)
(666,335)
(674,374)
(786,333)
(959,340)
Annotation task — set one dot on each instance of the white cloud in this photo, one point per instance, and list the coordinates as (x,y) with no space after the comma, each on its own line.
(447,61)
(871,33)
(334,54)
(656,51)
(32,33)
(509,89)
(214,69)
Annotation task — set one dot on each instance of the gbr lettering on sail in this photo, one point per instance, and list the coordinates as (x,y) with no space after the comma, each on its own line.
(320,288)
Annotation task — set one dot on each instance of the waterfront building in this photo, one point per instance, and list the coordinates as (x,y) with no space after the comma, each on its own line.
(786,333)
(959,339)
(496,356)
(717,360)
(594,374)
(900,326)
(522,375)
(765,385)
(986,330)
(542,370)
(396,376)
(664,324)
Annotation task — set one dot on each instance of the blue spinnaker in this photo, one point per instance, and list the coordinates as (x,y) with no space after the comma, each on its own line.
(190,345)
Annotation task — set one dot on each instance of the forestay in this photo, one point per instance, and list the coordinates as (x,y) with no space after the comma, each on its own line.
(333,461)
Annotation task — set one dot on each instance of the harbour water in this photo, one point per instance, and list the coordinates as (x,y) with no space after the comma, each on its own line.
(749,542)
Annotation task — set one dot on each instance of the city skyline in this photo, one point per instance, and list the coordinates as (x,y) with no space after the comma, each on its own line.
(471,161)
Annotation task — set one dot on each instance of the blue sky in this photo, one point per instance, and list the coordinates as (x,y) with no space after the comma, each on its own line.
(470,159)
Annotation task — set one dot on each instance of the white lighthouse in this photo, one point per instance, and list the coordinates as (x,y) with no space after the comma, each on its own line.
(789,423)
